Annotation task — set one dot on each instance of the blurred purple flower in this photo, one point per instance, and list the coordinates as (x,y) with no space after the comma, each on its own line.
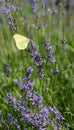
(14,8)
(6,68)
(31,85)
(22,108)
(16,82)
(40,101)
(53,60)
(32,1)
(55,11)
(5,10)
(26,117)
(10,119)
(30,70)
(34,47)
(67,125)
(49,10)
(57,70)
(49,52)
(1,115)
(25,128)
(34,7)
(41,26)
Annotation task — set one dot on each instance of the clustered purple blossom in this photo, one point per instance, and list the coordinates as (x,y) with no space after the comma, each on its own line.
(34,5)
(27,83)
(34,51)
(55,11)
(7,70)
(12,23)
(41,120)
(8,7)
(16,82)
(13,121)
(6,10)
(27,87)
(49,51)
(2,122)
(30,109)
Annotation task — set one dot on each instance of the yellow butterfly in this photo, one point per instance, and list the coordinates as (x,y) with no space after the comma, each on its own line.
(21,41)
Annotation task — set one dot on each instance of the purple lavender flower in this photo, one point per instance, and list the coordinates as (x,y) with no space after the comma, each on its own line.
(25,128)
(13,121)
(12,24)
(37,59)
(10,119)
(13,7)
(7,70)
(67,125)
(3,124)
(49,52)
(22,108)
(26,117)
(57,70)
(18,127)
(41,73)
(36,55)
(11,100)
(25,84)
(37,120)
(58,116)
(41,26)
(29,72)
(40,101)
(35,123)
(29,115)
(31,85)
(16,82)
(53,60)
(28,86)
(29,94)
(1,116)
(32,1)
(5,10)
(49,10)
(55,11)
(34,7)
(45,111)
(34,47)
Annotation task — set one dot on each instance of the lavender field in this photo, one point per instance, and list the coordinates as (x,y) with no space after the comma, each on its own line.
(36,82)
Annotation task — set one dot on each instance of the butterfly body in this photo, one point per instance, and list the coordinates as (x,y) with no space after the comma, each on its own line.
(21,41)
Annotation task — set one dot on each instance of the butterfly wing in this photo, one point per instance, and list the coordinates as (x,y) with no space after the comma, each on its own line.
(21,41)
